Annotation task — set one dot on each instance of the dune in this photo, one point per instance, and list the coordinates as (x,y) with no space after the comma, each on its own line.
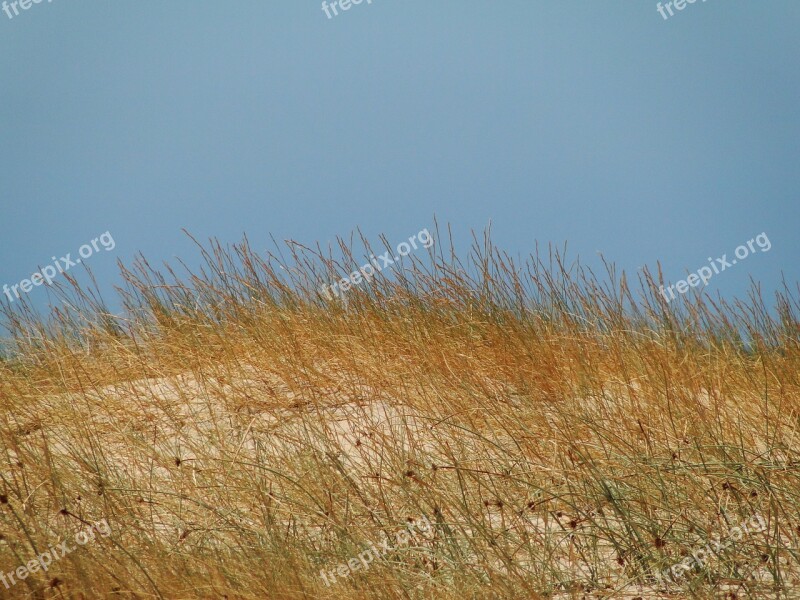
(242,435)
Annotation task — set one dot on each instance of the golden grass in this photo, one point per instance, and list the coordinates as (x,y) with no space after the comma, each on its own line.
(566,435)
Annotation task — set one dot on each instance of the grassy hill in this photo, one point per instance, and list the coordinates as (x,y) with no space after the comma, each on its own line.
(480,429)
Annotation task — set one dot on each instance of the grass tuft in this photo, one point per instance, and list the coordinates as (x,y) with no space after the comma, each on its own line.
(566,435)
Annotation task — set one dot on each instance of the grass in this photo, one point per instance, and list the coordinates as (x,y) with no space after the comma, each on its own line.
(566,435)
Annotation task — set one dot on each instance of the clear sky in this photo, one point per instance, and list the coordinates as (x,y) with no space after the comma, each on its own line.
(597,123)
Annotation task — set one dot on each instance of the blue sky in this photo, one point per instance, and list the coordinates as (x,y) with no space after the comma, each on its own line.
(595,123)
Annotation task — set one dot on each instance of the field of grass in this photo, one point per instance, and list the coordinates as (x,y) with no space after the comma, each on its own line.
(563,434)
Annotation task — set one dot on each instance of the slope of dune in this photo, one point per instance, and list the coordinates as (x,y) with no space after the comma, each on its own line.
(564,438)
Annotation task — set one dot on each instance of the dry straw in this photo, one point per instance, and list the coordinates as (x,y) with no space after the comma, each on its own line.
(565,434)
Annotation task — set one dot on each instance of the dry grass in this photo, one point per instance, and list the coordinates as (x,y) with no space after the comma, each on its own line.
(565,435)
